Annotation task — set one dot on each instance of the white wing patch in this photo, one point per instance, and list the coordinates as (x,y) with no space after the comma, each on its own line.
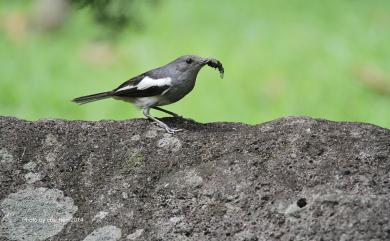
(148,82)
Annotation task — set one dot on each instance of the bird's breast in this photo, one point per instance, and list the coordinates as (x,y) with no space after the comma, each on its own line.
(179,90)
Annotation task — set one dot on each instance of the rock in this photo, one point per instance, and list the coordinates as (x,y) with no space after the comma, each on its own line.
(100,215)
(135,235)
(32,177)
(107,233)
(29,166)
(295,178)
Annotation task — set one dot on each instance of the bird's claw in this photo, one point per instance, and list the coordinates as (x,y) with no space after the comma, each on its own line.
(173,130)
(168,129)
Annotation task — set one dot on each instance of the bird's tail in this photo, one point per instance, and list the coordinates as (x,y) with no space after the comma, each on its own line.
(91,98)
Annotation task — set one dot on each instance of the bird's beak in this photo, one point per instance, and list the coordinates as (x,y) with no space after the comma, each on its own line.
(204,61)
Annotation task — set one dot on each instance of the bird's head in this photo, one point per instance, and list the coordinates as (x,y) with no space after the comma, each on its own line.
(191,64)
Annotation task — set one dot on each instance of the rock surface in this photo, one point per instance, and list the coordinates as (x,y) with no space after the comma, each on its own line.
(294,178)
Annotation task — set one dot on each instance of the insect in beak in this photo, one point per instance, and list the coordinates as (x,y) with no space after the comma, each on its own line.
(216,64)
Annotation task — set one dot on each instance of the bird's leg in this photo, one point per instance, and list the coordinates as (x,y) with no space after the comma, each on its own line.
(172,113)
(159,123)
(167,111)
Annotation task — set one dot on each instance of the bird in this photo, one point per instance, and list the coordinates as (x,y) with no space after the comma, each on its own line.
(158,87)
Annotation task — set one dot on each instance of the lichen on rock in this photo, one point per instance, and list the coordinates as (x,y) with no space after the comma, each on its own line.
(35,214)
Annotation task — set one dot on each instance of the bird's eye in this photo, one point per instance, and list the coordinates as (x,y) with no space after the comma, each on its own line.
(189,61)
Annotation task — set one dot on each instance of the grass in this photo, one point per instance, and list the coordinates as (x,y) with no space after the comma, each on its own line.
(281,58)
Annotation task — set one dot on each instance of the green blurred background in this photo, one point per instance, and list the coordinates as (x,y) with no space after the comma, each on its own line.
(326,59)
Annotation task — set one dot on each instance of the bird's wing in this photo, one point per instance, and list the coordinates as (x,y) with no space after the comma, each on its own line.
(143,86)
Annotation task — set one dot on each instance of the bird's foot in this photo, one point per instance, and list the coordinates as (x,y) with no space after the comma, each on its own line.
(167,128)
(173,130)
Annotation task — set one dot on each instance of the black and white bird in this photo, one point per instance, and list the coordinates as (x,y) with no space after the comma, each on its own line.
(157,87)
